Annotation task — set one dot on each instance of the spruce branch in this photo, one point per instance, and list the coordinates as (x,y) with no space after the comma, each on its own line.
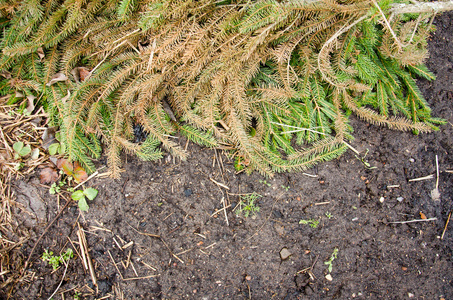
(273,79)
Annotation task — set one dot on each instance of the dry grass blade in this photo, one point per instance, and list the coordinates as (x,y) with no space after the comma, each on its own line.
(85,254)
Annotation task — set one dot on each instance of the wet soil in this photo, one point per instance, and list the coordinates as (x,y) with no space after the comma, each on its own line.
(184,246)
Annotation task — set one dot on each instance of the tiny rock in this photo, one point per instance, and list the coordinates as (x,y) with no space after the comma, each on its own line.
(410,295)
(329,277)
(381,199)
(284,253)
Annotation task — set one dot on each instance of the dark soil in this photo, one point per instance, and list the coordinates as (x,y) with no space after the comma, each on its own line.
(200,256)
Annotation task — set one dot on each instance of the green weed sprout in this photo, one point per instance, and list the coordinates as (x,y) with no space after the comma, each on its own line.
(247,204)
(312,222)
(331,259)
(55,260)
(80,195)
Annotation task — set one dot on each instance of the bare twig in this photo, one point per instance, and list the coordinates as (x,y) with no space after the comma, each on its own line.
(116,267)
(137,278)
(322,203)
(431,176)
(445,228)
(413,221)
(437,172)
(219,184)
(219,210)
(62,279)
(86,254)
(224,211)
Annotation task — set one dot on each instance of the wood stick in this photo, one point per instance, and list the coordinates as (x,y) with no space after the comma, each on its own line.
(445,228)
(59,285)
(431,176)
(137,278)
(114,263)
(219,184)
(224,210)
(413,221)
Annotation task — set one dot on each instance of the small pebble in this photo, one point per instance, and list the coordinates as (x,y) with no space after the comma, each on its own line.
(284,253)
(187,192)
(400,199)
(381,199)
(248,277)
(355,219)
(410,295)
(411,160)
(329,277)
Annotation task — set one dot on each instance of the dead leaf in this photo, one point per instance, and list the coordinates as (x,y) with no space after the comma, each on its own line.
(65,98)
(79,173)
(84,73)
(40,53)
(31,103)
(422,215)
(48,176)
(5,74)
(72,169)
(56,78)
(35,154)
(66,166)
(80,73)
(48,137)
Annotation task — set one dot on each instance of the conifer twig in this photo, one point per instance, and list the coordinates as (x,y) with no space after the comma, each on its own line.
(325,47)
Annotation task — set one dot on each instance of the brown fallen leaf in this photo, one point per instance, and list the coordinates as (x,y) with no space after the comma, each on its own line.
(80,73)
(40,53)
(48,175)
(80,174)
(31,103)
(72,169)
(48,137)
(56,78)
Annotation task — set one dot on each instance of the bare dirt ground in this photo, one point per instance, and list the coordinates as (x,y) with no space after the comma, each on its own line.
(160,232)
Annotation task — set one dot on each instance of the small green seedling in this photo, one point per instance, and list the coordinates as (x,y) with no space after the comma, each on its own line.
(247,204)
(239,164)
(55,188)
(77,296)
(286,188)
(364,161)
(329,215)
(312,222)
(331,259)
(80,195)
(21,150)
(55,260)
(265,182)
(57,148)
